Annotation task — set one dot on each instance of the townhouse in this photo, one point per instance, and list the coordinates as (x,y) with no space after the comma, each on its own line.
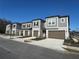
(13,29)
(57,27)
(26,29)
(8,29)
(38,29)
(52,27)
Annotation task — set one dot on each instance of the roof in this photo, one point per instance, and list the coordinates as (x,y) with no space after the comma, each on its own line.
(16,23)
(39,19)
(57,16)
(64,16)
(52,16)
(26,22)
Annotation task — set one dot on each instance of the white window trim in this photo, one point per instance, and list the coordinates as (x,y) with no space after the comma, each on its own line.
(35,23)
(54,23)
(63,20)
(51,22)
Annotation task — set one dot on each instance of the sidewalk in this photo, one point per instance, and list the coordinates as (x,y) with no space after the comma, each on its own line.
(8,36)
(16,38)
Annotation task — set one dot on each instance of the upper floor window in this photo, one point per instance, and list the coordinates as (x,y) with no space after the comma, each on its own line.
(36,23)
(49,23)
(28,25)
(53,22)
(14,26)
(24,26)
(62,20)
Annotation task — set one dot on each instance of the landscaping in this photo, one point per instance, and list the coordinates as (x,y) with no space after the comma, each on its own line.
(71,42)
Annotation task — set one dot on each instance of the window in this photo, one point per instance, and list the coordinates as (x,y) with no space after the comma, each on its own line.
(49,22)
(36,23)
(14,26)
(28,25)
(23,26)
(53,22)
(62,20)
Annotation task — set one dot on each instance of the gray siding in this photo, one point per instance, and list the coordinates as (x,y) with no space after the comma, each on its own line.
(42,25)
(53,19)
(18,26)
(62,24)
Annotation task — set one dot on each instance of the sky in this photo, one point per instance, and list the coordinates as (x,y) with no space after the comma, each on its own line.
(27,10)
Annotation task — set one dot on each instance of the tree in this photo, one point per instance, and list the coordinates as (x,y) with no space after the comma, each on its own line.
(3,23)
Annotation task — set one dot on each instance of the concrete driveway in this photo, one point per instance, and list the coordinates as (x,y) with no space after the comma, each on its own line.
(55,44)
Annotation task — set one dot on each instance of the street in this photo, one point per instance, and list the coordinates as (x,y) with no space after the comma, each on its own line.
(16,50)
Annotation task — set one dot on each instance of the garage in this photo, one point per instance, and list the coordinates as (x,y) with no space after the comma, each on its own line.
(56,34)
(36,33)
(30,32)
(26,33)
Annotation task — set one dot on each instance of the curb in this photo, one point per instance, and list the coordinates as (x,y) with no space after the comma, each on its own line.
(71,48)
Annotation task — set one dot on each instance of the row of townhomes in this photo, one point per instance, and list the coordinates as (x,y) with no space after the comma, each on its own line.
(52,27)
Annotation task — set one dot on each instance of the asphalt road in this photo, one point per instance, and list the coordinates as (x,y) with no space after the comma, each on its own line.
(16,50)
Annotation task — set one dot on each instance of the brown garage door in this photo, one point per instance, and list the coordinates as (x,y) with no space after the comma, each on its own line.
(56,34)
(26,33)
(36,33)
